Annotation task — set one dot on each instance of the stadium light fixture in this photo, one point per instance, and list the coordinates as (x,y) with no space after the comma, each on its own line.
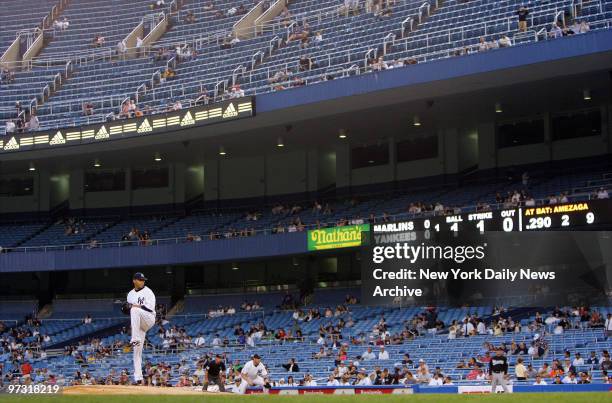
(342,134)
(280,142)
(157,157)
(97,163)
(586,95)
(32,167)
(416,122)
(222,151)
(498,108)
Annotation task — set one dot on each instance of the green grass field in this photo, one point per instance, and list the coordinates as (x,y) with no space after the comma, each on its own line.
(522,398)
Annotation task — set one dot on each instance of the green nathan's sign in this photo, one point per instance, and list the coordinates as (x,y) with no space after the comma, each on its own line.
(337,237)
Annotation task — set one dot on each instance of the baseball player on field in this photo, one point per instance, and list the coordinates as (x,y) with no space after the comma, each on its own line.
(141,307)
(254,373)
(498,371)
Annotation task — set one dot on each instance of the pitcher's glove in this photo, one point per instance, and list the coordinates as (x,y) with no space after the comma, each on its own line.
(126,308)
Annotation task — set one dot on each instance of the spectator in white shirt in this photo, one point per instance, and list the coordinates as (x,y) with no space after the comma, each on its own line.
(437,380)
(33,123)
(608,325)
(10,126)
(505,42)
(570,378)
(539,381)
(363,379)
(602,193)
(383,355)
(368,355)
(309,380)
(121,47)
(216,342)
(555,31)
(332,381)
(467,329)
(199,341)
(578,360)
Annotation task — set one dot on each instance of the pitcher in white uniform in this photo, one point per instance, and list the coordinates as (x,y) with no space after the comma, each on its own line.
(142,315)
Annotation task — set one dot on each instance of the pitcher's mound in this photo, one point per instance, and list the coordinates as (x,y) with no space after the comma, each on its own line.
(131,390)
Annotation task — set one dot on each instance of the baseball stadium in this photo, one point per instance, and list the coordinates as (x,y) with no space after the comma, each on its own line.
(219,200)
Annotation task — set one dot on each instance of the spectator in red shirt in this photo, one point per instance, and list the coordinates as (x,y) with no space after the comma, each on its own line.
(26,369)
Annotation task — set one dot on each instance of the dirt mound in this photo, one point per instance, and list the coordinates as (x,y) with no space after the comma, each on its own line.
(131,390)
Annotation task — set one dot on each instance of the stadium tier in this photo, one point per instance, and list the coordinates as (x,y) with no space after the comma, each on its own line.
(545,187)
(405,32)
(323,340)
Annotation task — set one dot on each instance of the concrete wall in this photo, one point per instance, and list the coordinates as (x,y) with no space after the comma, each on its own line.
(156,33)
(173,194)
(38,201)
(549,149)
(245,27)
(35,49)
(275,9)
(11,56)
(130,40)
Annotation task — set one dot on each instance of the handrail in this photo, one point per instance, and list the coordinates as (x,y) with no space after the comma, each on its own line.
(562,14)
(236,71)
(46,89)
(289,28)
(259,55)
(172,61)
(271,43)
(69,68)
(155,74)
(142,86)
(542,31)
(389,38)
(408,20)
(57,80)
(33,105)
(354,67)
(367,56)
(224,84)
(427,8)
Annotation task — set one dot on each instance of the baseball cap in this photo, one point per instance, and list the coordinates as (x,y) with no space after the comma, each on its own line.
(139,276)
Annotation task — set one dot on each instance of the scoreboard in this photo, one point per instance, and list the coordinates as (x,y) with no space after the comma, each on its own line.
(589,214)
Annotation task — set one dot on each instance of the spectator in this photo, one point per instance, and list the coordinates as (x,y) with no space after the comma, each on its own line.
(190,17)
(584,28)
(10,126)
(505,41)
(555,31)
(121,47)
(602,193)
(539,381)
(88,108)
(318,38)
(383,355)
(368,355)
(33,124)
(62,25)
(236,92)
(522,13)
(291,366)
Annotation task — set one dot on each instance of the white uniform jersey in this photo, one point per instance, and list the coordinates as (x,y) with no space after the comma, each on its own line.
(252,372)
(144,297)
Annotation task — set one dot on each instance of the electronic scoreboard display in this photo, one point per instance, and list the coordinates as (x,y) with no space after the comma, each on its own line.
(589,214)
